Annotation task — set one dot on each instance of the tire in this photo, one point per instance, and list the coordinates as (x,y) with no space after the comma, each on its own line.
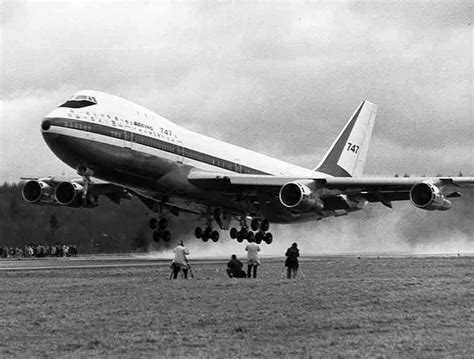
(265,225)
(240,238)
(198,232)
(255,224)
(162,224)
(207,232)
(268,238)
(166,236)
(250,237)
(259,237)
(215,236)
(152,223)
(233,233)
(157,235)
(205,238)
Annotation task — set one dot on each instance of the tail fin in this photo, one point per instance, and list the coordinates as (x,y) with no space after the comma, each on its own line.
(347,155)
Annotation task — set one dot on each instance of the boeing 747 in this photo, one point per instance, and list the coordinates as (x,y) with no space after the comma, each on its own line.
(121,149)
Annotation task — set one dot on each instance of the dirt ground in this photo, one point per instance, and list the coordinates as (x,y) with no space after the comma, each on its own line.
(338,307)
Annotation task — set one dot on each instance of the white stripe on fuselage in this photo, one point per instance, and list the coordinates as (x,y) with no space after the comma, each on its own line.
(109,107)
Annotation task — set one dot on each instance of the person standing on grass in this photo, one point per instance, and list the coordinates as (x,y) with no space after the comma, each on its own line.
(180,261)
(252,257)
(291,262)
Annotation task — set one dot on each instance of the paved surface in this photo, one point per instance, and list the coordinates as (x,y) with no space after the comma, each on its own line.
(18,264)
(118,261)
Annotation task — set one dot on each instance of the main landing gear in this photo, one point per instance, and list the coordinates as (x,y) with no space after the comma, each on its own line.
(260,227)
(207,233)
(159,229)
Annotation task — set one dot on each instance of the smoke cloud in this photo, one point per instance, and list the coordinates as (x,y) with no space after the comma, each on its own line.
(377,229)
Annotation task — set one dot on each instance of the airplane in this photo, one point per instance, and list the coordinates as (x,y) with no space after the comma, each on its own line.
(121,149)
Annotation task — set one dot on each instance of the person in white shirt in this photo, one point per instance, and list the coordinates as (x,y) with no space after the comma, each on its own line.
(252,257)
(180,261)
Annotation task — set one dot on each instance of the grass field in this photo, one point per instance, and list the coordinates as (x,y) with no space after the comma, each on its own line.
(341,307)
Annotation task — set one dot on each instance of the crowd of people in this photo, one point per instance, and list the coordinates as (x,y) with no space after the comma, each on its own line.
(235,268)
(38,250)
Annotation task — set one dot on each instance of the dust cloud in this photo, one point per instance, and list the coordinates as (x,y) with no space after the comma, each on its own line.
(377,229)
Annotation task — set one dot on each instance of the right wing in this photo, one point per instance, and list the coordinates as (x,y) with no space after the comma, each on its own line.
(335,192)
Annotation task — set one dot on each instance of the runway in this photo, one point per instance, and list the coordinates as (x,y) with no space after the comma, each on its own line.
(88,262)
(124,261)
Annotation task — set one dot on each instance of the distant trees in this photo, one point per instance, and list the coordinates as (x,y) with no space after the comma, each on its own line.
(107,228)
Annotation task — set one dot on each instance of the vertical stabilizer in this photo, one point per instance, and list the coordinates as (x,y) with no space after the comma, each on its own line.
(346,157)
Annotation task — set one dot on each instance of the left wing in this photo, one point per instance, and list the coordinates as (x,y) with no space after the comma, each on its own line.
(329,193)
(70,191)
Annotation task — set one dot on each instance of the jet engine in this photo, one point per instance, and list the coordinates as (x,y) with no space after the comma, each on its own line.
(37,192)
(71,194)
(427,196)
(298,196)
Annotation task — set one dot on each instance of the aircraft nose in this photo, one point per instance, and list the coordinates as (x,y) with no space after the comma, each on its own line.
(45,125)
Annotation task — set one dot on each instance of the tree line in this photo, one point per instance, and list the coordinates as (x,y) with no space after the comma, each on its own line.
(108,228)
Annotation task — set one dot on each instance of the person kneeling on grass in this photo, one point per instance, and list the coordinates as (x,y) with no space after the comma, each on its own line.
(234,268)
(180,261)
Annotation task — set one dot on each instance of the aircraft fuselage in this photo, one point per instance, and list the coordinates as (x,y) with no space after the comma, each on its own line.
(126,144)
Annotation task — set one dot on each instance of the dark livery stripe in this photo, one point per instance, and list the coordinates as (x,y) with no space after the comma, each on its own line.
(148,141)
(330,165)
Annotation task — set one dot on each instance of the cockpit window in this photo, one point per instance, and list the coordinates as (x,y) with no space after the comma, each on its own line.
(80,101)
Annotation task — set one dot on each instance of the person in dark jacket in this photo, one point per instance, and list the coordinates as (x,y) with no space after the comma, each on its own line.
(291,262)
(234,268)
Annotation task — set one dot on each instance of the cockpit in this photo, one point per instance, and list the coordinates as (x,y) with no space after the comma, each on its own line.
(79,101)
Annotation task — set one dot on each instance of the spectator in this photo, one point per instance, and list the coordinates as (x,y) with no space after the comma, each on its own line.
(234,268)
(180,261)
(252,257)
(291,262)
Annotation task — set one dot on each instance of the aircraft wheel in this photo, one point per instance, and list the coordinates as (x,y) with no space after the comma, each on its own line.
(268,238)
(233,233)
(215,236)
(198,232)
(157,235)
(207,232)
(152,223)
(205,238)
(255,224)
(265,225)
(258,240)
(162,224)
(250,237)
(240,239)
(259,237)
(166,236)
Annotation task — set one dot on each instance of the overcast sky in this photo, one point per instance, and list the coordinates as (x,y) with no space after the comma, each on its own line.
(277,77)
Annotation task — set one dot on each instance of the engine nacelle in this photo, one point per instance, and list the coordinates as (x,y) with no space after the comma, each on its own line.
(71,194)
(427,196)
(38,192)
(299,197)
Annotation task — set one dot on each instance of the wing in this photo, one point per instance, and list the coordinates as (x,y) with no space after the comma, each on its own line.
(331,193)
(75,192)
